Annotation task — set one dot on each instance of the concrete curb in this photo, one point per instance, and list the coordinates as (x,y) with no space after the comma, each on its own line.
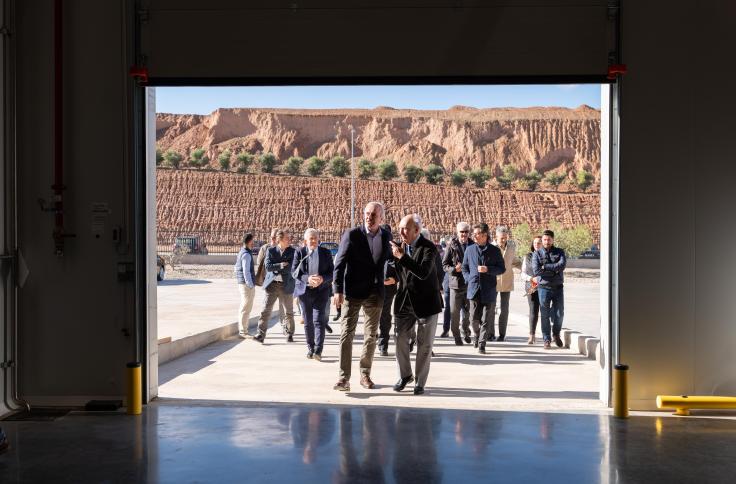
(585,345)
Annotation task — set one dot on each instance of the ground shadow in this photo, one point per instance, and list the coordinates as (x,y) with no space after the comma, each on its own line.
(482,393)
(182,282)
(195,361)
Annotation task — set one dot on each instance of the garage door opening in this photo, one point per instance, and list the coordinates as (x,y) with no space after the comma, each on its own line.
(230,161)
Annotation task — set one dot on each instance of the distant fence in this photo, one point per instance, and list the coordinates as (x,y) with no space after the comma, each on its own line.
(229,242)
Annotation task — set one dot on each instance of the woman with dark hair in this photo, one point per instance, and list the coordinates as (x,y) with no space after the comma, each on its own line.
(532,296)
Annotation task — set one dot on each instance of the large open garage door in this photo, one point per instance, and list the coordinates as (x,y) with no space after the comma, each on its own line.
(413,42)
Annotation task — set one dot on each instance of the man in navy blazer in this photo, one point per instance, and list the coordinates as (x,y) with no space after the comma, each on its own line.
(312,271)
(278,284)
(358,283)
(482,262)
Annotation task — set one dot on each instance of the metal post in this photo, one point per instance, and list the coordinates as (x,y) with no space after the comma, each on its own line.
(352,177)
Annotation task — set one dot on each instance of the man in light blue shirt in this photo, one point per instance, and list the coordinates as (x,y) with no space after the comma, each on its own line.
(245,274)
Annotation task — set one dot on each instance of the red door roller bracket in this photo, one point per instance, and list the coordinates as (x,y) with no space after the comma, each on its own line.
(140,73)
(615,70)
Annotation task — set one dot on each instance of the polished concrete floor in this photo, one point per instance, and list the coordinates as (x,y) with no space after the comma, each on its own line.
(220,442)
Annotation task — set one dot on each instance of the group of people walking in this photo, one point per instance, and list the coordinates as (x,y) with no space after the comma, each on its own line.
(401,280)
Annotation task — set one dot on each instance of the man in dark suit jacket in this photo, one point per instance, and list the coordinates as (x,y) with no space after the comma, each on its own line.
(358,283)
(279,285)
(312,271)
(418,301)
(481,264)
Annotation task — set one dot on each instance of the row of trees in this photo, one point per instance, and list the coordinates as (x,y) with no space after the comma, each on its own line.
(338,166)
(575,240)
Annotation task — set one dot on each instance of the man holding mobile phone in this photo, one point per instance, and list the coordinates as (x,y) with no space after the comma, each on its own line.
(279,285)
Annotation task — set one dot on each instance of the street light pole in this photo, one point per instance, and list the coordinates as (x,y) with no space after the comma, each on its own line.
(352,177)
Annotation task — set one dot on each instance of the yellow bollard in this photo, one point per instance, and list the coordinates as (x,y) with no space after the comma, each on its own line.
(621,391)
(683,403)
(135,398)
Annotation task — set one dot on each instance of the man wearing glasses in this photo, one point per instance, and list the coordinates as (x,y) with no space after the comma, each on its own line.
(452,263)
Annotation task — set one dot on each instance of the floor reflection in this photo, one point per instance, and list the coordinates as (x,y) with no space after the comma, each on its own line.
(304,444)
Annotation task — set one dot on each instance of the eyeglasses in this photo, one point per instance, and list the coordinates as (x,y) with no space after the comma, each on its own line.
(464,231)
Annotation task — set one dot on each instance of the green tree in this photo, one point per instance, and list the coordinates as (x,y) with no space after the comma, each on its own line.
(434,174)
(339,166)
(159,156)
(479,177)
(532,179)
(523,236)
(387,170)
(458,178)
(197,157)
(244,161)
(316,165)
(268,162)
(366,169)
(509,174)
(412,173)
(584,179)
(554,179)
(224,160)
(172,159)
(293,165)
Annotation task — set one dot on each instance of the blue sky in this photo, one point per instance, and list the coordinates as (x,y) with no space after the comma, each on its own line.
(204,100)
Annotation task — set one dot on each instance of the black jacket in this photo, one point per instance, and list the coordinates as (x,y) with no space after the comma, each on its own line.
(549,266)
(454,255)
(418,284)
(356,275)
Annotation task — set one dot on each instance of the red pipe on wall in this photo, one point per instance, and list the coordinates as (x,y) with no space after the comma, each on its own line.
(58,185)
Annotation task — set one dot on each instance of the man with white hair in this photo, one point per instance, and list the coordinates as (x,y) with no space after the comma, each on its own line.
(418,301)
(358,282)
(505,282)
(452,264)
(312,271)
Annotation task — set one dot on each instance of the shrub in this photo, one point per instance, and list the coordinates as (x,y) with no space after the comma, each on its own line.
(479,177)
(315,165)
(584,179)
(224,160)
(458,178)
(434,174)
(508,176)
(339,166)
(387,170)
(172,158)
(197,157)
(554,179)
(293,165)
(574,240)
(413,173)
(268,162)
(532,179)
(159,156)
(523,236)
(366,169)
(244,161)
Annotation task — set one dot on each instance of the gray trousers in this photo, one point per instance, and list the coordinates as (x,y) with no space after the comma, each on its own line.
(458,304)
(426,328)
(372,307)
(274,292)
(503,317)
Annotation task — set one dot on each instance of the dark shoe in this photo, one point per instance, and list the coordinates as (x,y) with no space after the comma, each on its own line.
(467,338)
(342,385)
(475,342)
(445,334)
(432,354)
(401,384)
(318,356)
(482,348)
(365,382)
(310,354)
(501,338)
(328,329)
(384,352)
(458,341)
(259,338)
(491,338)
(290,339)
(411,345)
(558,341)
(547,345)
(418,390)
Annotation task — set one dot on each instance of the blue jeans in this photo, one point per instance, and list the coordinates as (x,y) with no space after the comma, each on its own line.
(552,308)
